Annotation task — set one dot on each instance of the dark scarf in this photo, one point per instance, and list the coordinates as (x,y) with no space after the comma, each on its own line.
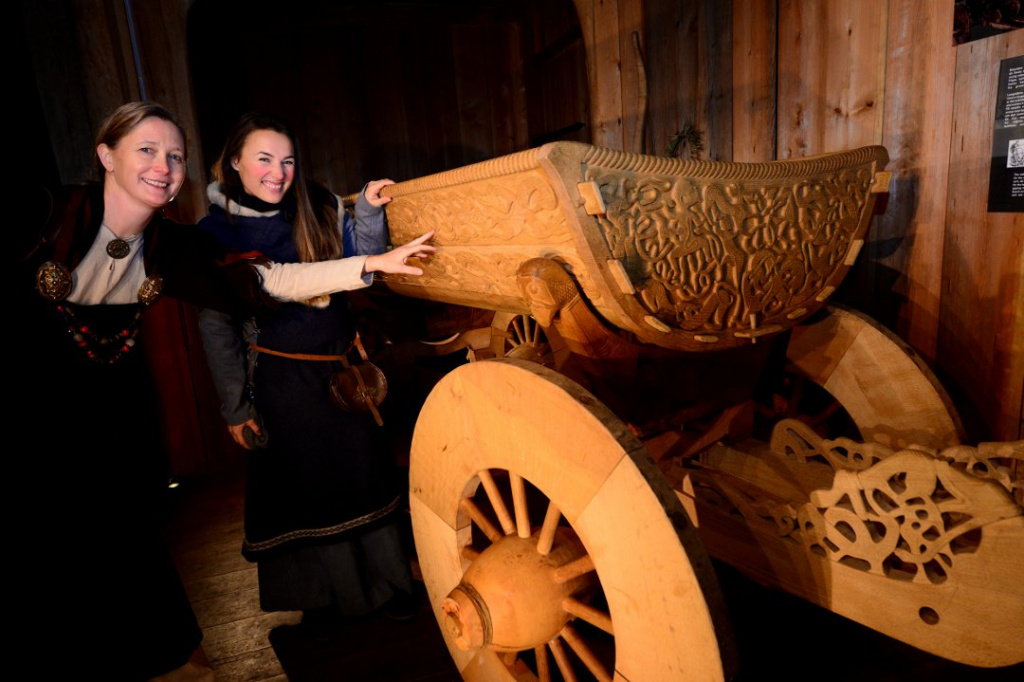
(286,206)
(268,235)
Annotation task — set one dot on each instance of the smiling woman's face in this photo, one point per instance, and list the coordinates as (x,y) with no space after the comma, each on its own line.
(148,164)
(266,165)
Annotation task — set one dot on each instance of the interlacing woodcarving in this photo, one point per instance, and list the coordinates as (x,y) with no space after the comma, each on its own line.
(488,226)
(520,208)
(904,514)
(706,256)
(990,460)
(681,254)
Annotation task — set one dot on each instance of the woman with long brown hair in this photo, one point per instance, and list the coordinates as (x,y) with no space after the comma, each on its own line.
(323,497)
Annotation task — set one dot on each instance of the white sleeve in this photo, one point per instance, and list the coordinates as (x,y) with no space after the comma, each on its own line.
(302,281)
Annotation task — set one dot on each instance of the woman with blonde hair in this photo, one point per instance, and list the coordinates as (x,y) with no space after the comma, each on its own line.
(101,578)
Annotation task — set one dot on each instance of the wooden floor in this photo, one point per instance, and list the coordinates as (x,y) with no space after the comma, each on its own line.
(778,636)
(204,532)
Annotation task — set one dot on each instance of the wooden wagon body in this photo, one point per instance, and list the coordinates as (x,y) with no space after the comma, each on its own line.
(638,403)
(684,255)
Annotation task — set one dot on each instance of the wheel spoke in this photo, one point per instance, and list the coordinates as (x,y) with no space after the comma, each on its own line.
(595,617)
(520,332)
(497,503)
(595,666)
(480,519)
(574,569)
(520,505)
(543,670)
(562,660)
(547,531)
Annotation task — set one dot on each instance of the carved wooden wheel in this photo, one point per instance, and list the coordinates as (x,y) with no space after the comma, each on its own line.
(520,336)
(887,390)
(551,547)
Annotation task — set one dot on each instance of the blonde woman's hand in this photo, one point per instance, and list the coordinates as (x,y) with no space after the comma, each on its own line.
(372,191)
(393,262)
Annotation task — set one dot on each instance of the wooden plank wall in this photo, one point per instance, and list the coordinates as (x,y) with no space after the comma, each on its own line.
(432,87)
(672,76)
(809,77)
(831,65)
(919,80)
(981,309)
(602,32)
(712,66)
(99,67)
(555,71)
(754,79)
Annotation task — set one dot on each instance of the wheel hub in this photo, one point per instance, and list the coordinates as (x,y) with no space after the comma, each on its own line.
(511,597)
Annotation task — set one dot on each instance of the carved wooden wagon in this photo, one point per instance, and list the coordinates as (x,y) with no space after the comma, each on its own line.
(661,382)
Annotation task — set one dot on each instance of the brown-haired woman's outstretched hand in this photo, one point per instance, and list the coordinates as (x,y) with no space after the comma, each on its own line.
(394,261)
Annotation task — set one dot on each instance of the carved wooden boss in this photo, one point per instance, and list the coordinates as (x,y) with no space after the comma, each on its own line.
(564,504)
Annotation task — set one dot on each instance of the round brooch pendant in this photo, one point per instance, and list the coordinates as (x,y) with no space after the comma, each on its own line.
(150,290)
(118,248)
(53,280)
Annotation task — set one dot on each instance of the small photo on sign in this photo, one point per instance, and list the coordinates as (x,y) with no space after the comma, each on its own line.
(1015,154)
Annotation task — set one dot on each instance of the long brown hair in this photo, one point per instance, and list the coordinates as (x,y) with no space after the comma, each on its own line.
(124,119)
(314,231)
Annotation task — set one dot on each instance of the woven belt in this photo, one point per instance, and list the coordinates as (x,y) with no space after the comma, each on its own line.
(298,356)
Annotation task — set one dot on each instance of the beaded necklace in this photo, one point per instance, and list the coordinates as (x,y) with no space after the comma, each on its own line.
(53,280)
(105,349)
(54,283)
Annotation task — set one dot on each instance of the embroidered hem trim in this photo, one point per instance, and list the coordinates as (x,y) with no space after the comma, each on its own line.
(321,532)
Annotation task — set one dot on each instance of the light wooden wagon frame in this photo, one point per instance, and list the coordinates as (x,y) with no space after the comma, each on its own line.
(651,316)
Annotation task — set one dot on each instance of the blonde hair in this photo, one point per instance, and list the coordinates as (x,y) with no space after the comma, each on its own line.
(124,119)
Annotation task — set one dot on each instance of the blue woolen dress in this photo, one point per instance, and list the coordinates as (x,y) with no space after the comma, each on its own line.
(324,498)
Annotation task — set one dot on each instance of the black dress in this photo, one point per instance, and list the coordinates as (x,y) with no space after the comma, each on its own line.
(97,589)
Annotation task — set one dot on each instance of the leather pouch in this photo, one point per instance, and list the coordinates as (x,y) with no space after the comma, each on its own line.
(359,386)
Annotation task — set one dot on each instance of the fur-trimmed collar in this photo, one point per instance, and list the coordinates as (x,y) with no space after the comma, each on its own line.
(216,196)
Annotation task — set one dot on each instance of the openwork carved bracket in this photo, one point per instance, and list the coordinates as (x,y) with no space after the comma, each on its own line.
(925,546)
(903,514)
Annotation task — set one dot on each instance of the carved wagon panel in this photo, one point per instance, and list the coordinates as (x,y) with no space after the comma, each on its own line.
(686,255)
